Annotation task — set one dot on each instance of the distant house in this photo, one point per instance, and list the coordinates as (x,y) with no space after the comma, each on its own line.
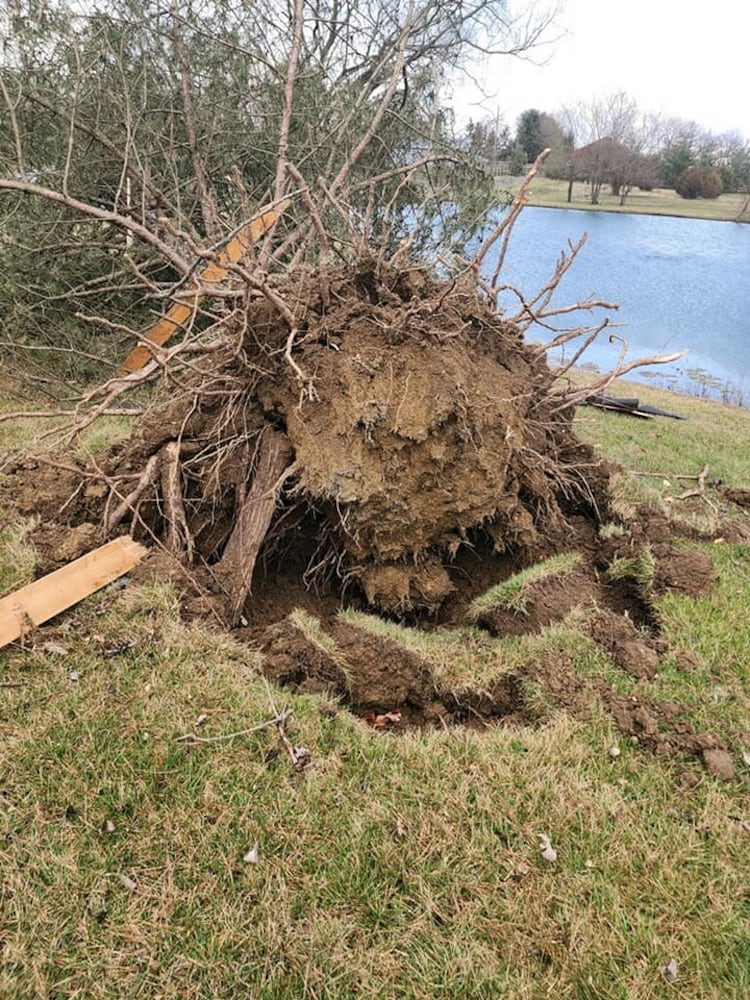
(607,161)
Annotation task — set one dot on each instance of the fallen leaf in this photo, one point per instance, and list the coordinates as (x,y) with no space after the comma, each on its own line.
(127,883)
(201,719)
(251,858)
(74,675)
(746,758)
(108,827)
(400,827)
(671,970)
(386,719)
(55,649)
(548,851)
(521,870)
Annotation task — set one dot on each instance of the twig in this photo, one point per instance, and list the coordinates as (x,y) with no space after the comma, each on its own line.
(507,222)
(700,489)
(659,475)
(299,756)
(193,739)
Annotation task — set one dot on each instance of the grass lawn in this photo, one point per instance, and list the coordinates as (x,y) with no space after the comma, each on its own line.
(547,193)
(134,865)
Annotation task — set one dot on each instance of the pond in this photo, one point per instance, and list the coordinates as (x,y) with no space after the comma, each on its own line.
(681,284)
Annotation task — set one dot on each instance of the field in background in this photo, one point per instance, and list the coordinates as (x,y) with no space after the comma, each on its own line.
(399,866)
(547,193)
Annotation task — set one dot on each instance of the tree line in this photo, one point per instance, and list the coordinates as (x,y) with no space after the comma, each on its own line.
(611,141)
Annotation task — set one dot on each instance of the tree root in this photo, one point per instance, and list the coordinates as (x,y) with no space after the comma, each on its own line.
(236,567)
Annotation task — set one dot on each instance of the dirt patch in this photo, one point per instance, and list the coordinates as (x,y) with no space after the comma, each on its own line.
(663,728)
(633,650)
(376,676)
(686,571)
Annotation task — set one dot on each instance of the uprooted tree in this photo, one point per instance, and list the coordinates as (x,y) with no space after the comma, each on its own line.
(343,394)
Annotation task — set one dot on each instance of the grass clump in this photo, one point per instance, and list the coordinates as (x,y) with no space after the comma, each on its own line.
(638,568)
(512,594)
(19,557)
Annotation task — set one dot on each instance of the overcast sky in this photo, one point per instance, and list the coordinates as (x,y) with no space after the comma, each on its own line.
(684,58)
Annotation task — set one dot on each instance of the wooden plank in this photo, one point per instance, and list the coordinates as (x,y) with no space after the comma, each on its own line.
(41,600)
(212,273)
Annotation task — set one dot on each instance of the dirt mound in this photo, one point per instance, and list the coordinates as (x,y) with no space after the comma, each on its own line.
(410,422)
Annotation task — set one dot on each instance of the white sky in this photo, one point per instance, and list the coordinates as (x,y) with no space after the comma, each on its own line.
(684,58)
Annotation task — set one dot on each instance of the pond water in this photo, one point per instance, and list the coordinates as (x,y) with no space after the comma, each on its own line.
(681,284)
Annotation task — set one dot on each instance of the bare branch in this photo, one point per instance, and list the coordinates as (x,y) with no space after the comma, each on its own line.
(122,221)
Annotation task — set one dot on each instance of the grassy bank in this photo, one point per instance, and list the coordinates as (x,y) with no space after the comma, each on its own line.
(134,865)
(547,193)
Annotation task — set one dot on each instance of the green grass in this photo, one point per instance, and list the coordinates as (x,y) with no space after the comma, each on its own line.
(639,568)
(548,193)
(396,866)
(512,594)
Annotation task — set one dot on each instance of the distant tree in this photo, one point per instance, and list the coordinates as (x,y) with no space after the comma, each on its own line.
(529,135)
(551,132)
(517,162)
(732,157)
(605,132)
(489,140)
(699,182)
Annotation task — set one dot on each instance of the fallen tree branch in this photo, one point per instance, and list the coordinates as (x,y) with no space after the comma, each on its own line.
(122,221)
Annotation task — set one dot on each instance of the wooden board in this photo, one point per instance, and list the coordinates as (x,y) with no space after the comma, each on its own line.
(213,272)
(41,600)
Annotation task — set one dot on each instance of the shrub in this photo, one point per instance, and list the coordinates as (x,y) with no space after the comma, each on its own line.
(699,182)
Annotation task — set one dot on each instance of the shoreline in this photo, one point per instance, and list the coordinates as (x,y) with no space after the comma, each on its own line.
(548,193)
(622,210)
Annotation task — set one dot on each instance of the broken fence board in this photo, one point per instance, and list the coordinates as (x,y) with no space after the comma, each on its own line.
(41,600)
(212,273)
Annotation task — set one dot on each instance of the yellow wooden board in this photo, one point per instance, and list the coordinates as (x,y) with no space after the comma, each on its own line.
(213,272)
(41,600)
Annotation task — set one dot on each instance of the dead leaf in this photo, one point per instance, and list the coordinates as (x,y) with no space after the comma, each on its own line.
(108,826)
(400,827)
(386,719)
(55,649)
(127,883)
(548,851)
(383,721)
(671,970)
(521,870)
(251,858)
(201,719)
(746,758)
(74,675)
